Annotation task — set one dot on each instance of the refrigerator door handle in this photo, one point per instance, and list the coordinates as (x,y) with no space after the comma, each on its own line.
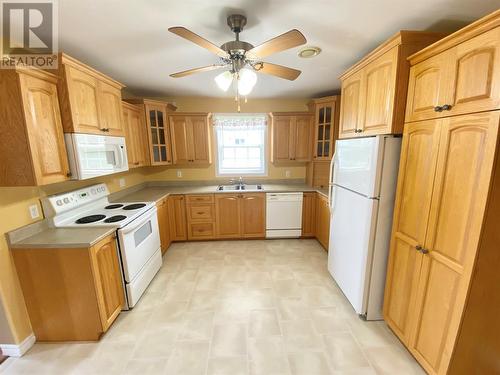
(330,184)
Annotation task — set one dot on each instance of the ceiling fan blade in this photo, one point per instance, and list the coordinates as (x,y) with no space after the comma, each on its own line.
(196,70)
(279,71)
(196,39)
(290,39)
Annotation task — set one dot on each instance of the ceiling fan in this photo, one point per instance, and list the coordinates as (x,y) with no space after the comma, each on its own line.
(242,58)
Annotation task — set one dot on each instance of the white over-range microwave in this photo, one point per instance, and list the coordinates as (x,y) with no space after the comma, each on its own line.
(92,155)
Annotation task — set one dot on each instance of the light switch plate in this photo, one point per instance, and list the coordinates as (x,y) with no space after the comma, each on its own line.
(34,211)
(288,173)
(121,181)
(179,174)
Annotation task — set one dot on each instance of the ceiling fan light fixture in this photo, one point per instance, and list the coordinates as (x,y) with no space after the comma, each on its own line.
(224,80)
(246,81)
(309,51)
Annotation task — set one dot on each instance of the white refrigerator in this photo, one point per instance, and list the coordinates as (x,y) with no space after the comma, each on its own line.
(362,190)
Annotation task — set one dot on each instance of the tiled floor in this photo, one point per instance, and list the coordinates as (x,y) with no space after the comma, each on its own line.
(242,307)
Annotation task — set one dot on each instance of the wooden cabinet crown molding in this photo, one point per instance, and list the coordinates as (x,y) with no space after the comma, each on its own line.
(170,106)
(403,37)
(65,59)
(474,29)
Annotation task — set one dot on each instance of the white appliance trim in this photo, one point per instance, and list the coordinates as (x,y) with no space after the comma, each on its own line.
(75,144)
(383,175)
(18,350)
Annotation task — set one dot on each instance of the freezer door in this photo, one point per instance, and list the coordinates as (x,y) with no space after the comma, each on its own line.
(356,164)
(352,230)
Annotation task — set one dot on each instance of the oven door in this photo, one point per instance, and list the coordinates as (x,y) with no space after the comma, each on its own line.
(93,155)
(138,240)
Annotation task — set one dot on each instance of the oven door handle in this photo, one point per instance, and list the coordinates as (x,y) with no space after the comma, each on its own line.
(139,222)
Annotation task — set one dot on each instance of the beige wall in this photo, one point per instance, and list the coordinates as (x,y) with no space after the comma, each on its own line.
(228,105)
(14,202)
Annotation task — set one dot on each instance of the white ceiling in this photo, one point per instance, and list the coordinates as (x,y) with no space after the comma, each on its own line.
(129,39)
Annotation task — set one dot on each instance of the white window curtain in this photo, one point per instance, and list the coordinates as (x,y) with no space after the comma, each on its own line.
(241,144)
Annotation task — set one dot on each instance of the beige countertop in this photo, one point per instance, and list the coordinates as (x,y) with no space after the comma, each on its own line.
(45,237)
(64,238)
(156,193)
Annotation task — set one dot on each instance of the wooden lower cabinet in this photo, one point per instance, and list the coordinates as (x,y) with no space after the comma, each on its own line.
(443,191)
(227,216)
(322,220)
(163,224)
(253,215)
(108,280)
(309,215)
(177,218)
(71,294)
(240,215)
(200,210)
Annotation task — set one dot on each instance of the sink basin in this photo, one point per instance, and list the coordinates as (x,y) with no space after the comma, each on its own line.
(239,187)
(229,187)
(252,187)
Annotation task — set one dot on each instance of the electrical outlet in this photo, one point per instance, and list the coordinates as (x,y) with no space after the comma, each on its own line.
(179,174)
(288,173)
(121,181)
(34,211)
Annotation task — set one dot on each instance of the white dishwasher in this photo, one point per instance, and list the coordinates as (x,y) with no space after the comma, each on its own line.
(283,215)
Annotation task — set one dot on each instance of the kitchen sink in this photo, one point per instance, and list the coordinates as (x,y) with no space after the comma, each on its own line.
(243,187)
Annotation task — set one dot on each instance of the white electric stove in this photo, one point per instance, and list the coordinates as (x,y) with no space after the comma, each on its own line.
(136,227)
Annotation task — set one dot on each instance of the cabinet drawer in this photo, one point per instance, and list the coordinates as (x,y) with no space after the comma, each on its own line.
(205,198)
(201,212)
(200,231)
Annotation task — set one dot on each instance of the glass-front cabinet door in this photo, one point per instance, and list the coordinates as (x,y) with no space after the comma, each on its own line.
(325,128)
(159,135)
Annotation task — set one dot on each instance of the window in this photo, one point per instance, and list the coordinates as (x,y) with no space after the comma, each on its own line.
(241,141)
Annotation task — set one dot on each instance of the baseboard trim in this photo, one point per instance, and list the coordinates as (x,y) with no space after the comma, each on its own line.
(13,350)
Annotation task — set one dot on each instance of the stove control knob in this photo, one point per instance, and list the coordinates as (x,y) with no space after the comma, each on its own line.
(59,202)
(66,200)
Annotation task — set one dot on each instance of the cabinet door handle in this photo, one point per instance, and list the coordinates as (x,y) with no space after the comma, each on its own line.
(418,248)
(438,109)
(69,174)
(446,107)
(424,251)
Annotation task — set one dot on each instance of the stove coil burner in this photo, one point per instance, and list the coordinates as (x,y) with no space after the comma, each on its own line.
(114,219)
(134,206)
(90,219)
(113,206)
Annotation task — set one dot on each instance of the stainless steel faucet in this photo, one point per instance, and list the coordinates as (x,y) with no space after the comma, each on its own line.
(238,182)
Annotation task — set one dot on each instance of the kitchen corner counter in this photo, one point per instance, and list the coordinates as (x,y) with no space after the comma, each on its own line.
(63,238)
(157,193)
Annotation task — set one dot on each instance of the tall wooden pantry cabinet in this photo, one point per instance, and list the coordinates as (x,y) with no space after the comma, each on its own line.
(442,292)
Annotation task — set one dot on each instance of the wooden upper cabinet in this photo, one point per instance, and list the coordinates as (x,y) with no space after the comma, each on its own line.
(135,136)
(379,89)
(110,101)
(291,137)
(325,132)
(253,215)
(190,138)
(373,94)
(155,114)
(108,282)
(411,214)
(451,78)
(90,101)
(33,151)
(350,107)
(425,88)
